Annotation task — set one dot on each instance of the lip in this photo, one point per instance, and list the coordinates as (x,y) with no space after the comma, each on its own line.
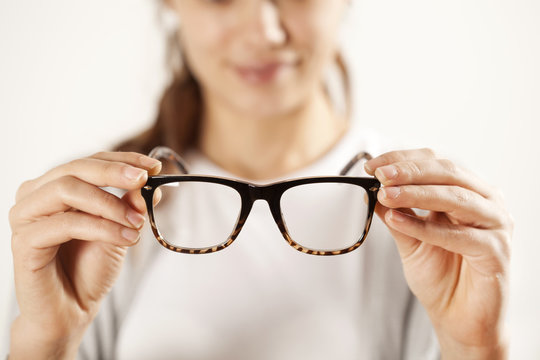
(261,72)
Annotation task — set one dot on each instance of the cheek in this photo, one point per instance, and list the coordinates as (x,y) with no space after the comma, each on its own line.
(315,29)
(315,38)
(203,45)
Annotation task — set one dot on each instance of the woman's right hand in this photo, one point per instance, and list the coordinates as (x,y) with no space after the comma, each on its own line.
(69,239)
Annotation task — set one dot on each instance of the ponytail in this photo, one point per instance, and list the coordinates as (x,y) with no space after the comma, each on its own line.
(178,119)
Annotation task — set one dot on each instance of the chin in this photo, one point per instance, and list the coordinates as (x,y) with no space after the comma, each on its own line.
(267,107)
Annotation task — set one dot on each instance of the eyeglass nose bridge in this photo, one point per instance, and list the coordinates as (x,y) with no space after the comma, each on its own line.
(271,194)
(262,192)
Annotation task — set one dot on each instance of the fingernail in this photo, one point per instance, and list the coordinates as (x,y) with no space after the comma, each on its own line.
(391,192)
(148,162)
(135,218)
(386,173)
(133,173)
(157,197)
(130,234)
(368,168)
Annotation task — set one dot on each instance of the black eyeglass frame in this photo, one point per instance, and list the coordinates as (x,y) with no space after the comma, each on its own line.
(249,193)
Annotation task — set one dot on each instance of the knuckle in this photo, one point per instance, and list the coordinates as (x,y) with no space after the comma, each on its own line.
(21,240)
(12,216)
(63,221)
(100,225)
(15,245)
(448,166)
(130,156)
(134,155)
(501,244)
(15,239)
(401,155)
(463,233)
(109,200)
(71,165)
(467,234)
(22,245)
(137,158)
(23,189)
(72,224)
(461,196)
(21,251)
(111,171)
(420,192)
(110,167)
(65,224)
(429,152)
(101,155)
(98,155)
(410,196)
(404,192)
(76,225)
(391,157)
(385,158)
(75,165)
(409,170)
(64,185)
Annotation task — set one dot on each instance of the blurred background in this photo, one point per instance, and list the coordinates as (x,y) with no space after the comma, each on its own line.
(462,77)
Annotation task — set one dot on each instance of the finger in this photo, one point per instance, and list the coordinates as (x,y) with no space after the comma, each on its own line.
(431,172)
(136,201)
(397,156)
(406,245)
(97,172)
(451,237)
(62,227)
(68,193)
(153,166)
(467,206)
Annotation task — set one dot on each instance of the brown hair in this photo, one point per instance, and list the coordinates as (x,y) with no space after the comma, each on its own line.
(179,112)
(180,108)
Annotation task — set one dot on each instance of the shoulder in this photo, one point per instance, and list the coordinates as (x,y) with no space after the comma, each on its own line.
(369,139)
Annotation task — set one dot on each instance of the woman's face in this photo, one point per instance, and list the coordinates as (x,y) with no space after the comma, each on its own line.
(260,57)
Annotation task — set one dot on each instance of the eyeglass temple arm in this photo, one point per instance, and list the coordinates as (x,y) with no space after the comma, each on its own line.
(163,152)
(358,157)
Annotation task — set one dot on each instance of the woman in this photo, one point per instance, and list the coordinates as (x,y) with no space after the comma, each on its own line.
(250,102)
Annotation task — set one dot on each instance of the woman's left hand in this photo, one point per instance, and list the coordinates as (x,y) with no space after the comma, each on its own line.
(456,256)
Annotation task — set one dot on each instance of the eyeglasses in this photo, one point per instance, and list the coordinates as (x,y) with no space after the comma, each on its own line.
(199,214)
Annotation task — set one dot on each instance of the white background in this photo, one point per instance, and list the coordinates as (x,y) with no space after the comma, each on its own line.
(461,76)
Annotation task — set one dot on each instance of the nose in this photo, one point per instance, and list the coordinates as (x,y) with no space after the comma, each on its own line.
(271,22)
(265,24)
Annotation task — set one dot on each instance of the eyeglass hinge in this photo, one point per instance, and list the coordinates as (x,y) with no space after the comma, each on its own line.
(374,188)
(147,187)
